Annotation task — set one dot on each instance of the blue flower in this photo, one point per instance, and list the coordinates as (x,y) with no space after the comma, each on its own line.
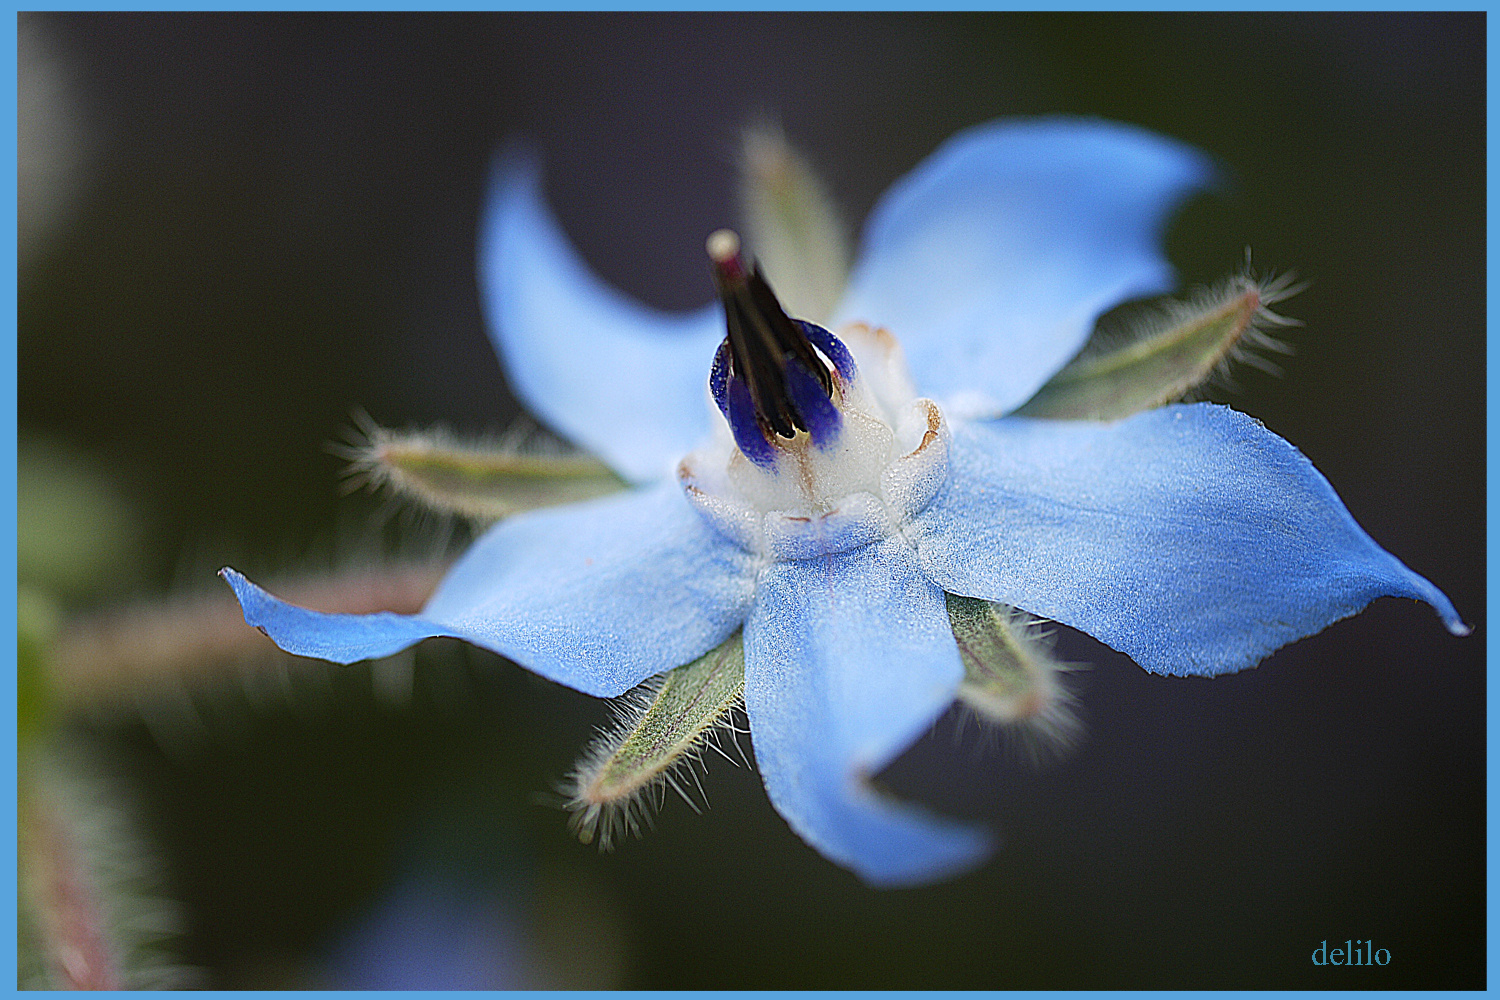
(827,510)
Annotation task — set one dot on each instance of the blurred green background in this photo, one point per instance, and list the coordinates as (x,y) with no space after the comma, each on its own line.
(239,230)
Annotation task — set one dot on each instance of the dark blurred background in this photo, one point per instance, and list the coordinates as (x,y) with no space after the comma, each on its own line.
(267,223)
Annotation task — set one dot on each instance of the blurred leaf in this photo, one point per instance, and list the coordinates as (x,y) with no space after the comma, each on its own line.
(89,914)
(74,529)
(38,619)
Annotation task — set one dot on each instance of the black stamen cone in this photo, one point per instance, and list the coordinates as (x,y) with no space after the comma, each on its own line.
(762,339)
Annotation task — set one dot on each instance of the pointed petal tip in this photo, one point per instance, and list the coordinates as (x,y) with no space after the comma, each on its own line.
(518,159)
(515,178)
(847,663)
(1449,614)
(339,638)
(1177,593)
(1422,589)
(245,592)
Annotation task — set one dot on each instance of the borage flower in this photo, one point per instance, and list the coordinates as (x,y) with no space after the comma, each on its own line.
(849,553)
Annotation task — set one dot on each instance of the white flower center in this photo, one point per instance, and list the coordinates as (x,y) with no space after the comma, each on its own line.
(888,462)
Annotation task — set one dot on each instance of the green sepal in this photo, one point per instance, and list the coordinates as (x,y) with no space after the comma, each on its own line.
(1010,674)
(662,724)
(1162,354)
(791,225)
(480,482)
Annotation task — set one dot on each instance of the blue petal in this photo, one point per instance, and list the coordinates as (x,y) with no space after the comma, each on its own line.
(623,381)
(597,596)
(991,260)
(1189,537)
(848,659)
(337,637)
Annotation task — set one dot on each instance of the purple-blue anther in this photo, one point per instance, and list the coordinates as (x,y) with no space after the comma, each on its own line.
(832,347)
(745,424)
(718,378)
(819,415)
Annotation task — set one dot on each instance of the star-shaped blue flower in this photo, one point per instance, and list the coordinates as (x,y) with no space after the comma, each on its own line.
(1189,536)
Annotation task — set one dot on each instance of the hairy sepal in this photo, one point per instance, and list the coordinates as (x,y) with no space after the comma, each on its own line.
(1011,678)
(792,225)
(1165,353)
(479,481)
(661,726)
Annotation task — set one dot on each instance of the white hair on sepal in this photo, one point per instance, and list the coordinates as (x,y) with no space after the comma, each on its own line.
(1013,682)
(480,479)
(1148,354)
(1255,342)
(661,729)
(602,814)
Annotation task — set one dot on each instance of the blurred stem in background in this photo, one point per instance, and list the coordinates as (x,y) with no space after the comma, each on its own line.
(461,910)
(91,913)
(91,909)
(90,916)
